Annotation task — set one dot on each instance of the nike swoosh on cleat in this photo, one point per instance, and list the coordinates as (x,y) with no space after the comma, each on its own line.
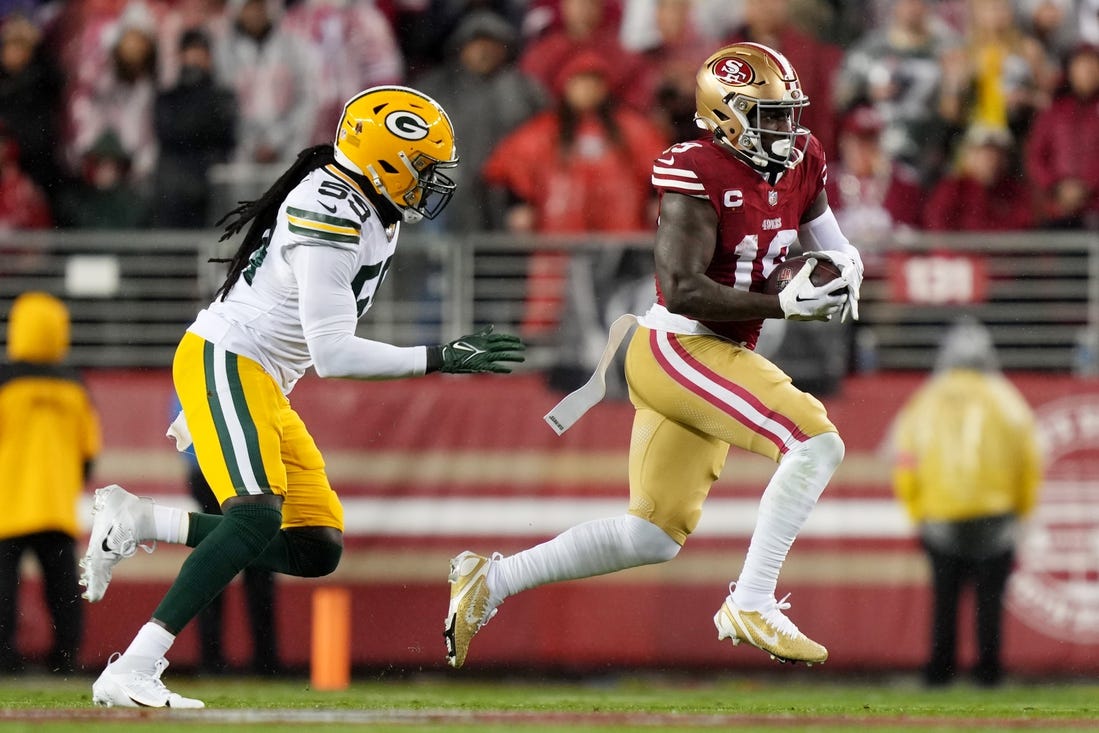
(104,546)
(758,634)
(771,639)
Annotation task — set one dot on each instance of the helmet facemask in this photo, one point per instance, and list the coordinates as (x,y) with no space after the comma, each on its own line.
(430,192)
(758,138)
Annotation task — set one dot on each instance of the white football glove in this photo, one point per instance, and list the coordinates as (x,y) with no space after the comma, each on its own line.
(801,300)
(850,267)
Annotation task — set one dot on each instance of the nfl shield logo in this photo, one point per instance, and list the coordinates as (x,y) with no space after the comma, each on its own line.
(772,198)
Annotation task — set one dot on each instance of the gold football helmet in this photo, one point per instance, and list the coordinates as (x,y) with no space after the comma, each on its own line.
(400,139)
(738,88)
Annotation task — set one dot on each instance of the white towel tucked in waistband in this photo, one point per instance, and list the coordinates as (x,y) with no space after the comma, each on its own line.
(576,403)
(180,433)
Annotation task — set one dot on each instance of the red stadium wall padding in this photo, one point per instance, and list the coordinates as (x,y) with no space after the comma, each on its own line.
(433,466)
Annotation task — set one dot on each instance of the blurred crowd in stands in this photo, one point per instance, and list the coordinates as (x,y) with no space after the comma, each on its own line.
(940,115)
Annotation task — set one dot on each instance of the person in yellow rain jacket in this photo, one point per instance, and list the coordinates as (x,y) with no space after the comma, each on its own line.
(49,436)
(968,468)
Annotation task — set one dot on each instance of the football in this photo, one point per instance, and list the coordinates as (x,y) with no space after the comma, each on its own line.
(824,272)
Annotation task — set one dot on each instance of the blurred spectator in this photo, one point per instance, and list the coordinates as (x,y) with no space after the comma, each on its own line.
(673,54)
(1061,162)
(710,19)
(985,193)
(49,437)
(196,127)
(22,203)
(543,17)
(871,194)
(122,99)
(425,29)
(487,97)
(586,28)
(355,48)
(1087,20)
(273,74)
(967,469)
(583,167)
(896,69)
(181,16)
(769,22)
(104,197)
(1001,76)
(1053,24)
(30,101)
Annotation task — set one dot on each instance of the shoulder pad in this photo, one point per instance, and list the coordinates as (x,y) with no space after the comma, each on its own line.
(676,169)
(326,209)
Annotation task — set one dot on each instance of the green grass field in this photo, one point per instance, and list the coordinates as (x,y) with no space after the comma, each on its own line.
(613,703)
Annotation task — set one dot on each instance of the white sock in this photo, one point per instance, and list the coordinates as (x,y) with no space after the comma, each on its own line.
(592,548)
(784,508)
(151,643)
(169,524)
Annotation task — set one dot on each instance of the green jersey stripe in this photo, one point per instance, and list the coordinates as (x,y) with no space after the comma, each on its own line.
(337,221)
(321,234)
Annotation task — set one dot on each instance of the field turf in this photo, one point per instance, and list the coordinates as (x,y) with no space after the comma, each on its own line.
(628,702)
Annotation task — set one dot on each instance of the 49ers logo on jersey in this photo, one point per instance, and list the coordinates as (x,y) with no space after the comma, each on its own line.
(733,71)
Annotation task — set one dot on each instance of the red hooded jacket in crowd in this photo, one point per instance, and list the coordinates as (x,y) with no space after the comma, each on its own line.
(22,203)
(1061,146)
(959,203)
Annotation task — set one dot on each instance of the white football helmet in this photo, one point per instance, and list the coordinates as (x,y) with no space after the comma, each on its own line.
(741,84)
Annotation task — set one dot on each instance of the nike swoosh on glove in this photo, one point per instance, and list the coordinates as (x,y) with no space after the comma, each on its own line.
(478,353)
(803,301)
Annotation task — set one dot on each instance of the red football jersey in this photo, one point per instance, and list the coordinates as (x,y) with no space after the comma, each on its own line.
(757,222)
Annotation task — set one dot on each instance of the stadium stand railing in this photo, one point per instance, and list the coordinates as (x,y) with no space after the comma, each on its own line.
(131,293)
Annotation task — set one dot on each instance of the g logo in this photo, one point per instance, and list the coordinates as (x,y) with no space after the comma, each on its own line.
(406,125)
(734,72)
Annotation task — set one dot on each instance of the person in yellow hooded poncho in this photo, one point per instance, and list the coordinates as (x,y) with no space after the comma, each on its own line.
(49,436)
(968,468)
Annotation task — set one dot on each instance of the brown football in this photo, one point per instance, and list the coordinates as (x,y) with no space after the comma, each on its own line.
(825,272)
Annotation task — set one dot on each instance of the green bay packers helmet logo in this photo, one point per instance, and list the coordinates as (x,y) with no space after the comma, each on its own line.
(406,125)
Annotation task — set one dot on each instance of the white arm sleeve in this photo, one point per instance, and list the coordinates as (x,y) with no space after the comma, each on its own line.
(823,233)
(328,316)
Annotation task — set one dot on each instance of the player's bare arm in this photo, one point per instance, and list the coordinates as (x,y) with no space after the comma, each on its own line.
(685,241)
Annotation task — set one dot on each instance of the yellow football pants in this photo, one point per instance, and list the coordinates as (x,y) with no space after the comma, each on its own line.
(248,439)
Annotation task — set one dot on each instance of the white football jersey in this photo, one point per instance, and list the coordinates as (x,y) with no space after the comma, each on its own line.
(260,317)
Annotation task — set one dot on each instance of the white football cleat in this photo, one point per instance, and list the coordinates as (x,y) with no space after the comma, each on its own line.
(113,538)
(138,689)
(469,604)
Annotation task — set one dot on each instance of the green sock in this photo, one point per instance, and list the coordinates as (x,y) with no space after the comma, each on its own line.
(295,552)
(200,525)
(238,538)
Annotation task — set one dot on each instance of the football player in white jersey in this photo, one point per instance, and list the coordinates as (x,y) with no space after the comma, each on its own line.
(317,246)
(732,204)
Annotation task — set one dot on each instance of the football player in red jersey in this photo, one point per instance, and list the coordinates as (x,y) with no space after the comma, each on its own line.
(732,205)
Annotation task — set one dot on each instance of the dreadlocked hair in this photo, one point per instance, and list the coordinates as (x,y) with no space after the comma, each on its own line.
(262,211)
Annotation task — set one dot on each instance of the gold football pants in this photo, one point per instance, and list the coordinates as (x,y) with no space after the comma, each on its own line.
(694,397)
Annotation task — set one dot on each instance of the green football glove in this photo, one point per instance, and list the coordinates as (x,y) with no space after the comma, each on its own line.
(477,353)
